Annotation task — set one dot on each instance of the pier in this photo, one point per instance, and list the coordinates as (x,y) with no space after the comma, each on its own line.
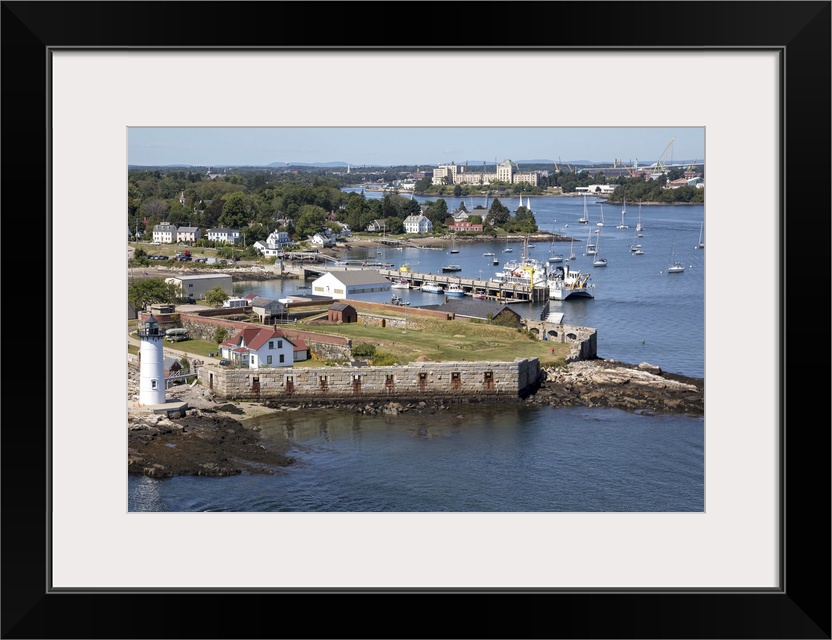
(507,292)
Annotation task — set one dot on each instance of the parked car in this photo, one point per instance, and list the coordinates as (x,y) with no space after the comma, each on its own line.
(225,363)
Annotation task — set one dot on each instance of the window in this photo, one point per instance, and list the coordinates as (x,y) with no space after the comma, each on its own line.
(271,345)
(154,384)
(268,359)
(280,344)
(282,357)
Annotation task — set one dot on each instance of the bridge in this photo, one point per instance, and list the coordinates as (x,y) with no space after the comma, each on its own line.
(181,375)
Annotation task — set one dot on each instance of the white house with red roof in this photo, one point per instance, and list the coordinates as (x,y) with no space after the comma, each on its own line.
(259,347)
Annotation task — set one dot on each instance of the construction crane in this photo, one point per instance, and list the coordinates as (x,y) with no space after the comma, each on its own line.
(660,163)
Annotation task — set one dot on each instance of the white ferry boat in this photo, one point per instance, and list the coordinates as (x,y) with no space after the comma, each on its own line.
(565,283)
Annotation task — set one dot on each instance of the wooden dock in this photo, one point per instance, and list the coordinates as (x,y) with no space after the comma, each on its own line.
(507,292)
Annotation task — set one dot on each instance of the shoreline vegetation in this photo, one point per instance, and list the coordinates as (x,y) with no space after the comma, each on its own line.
(509,196)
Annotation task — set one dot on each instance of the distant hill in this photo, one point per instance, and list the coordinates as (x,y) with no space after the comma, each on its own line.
(308,164)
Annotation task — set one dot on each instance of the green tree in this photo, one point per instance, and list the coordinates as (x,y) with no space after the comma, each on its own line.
(423,184)
(498,214)
(155,208)
(310,220)
(140,256)
(151,291)
(436,211)
(524,220)
(457,190)
(216,296)
(235,212)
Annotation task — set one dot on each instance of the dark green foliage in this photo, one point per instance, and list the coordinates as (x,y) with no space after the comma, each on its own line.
(364,350)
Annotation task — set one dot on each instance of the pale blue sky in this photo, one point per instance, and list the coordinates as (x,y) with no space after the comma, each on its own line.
(426,146)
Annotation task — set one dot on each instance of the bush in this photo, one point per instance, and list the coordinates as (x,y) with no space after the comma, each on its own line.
(384,359)
(220,334)
(364,350)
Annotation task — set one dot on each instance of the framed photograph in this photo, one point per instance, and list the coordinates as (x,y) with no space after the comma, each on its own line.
(755,75)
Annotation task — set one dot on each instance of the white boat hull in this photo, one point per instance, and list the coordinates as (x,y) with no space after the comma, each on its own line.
(566,294)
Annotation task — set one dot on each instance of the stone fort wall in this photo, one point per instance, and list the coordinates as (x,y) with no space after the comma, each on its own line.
(414,381)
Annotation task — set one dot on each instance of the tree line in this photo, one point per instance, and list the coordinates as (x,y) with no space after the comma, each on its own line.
(259,202)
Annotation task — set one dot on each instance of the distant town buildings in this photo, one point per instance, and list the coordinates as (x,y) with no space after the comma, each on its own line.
(507,171)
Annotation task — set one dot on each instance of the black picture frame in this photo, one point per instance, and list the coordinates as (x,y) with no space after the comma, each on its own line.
(799,608)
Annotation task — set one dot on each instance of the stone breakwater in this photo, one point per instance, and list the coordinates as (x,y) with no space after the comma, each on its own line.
(614,384)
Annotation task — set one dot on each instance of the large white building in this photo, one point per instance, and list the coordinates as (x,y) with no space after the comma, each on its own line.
(507,171)
(342,284)
(164,233)
(221,234)
(198,285)
(417,224)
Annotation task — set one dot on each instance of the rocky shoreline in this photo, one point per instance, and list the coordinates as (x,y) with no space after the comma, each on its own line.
(212,439)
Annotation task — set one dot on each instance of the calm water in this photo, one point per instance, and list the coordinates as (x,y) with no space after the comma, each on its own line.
(513,460)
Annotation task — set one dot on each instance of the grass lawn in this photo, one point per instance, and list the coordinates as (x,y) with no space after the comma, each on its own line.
(438,340)
(444,340)
(193,347)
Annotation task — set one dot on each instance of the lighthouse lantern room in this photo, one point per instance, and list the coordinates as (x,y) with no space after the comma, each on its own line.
(151,358)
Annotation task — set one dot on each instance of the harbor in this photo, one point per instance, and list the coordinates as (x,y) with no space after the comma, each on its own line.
(636,306)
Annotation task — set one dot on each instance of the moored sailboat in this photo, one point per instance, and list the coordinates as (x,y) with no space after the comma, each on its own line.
(639,228)
(675,266)
(623,212)
(599,261)
(584,219)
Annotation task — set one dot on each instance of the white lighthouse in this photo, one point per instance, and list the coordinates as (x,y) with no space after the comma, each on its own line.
(152,365)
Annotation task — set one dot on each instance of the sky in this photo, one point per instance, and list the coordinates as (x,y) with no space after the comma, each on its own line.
(428,146)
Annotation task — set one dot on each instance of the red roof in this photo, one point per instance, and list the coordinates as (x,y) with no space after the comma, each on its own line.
(253,338)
